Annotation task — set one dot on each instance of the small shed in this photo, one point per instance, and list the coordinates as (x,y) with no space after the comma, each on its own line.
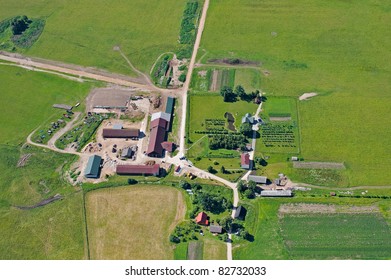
(240,213)
(248,119)
(276,193)
(127,153)
(170,105)
(215,229)
(294,159)
(202,219)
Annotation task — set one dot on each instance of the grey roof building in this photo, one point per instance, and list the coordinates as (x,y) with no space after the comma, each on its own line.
(170,105)
(127,153)
(215,229)
(93,167)
(248,119)
(276,193)
(240,213)
(257,179)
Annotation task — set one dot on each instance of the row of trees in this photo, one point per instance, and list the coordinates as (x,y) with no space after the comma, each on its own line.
(228,141)
(231,95)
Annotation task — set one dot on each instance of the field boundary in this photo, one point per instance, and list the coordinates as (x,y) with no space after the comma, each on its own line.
(318,165)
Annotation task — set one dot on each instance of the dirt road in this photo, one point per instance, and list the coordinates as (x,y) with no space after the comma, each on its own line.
(188,77)
(59,67)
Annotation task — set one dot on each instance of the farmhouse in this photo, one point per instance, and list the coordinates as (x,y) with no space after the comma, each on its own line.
(276,193)
(240,213)
(257,179)
(215,229)
(248,119)
(245,161)
(170,105)
(202,219)
(93,167)
(145,170)
(121,133)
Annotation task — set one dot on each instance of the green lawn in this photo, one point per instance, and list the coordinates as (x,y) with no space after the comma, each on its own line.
(336,236)
(316,236)
(248,78)
(27,99)
(343,56)
(85,32)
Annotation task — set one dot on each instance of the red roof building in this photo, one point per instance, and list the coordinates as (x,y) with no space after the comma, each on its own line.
(151,170)
(121,133)
(156,138)
(202,219)
(168,146)
(245,161)
(160,122)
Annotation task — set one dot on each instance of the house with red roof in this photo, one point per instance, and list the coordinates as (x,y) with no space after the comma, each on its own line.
(202,219)
(245,161)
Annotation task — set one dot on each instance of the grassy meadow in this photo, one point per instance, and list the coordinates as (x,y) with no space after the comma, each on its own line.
(337,49)
(85,32)
(133,222)
(316,236)
(27,99)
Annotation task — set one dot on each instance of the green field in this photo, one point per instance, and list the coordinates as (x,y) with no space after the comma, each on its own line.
(28,98)
(85,32)
(248,78)
(54,231)
(336,236)
(327,51)
(316,236)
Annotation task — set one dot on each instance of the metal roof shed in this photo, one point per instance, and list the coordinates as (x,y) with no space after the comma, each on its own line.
(93,167)
(170,105)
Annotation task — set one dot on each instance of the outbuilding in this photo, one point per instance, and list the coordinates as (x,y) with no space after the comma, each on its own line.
(93,167)
(202,219)
(216,229)
(257,179)
(240,213)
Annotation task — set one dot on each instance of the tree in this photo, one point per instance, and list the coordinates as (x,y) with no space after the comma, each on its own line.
(252,185)
(241,186)
(226,223)
(227,93)
(19,25)
(240,92)
(244,234)
(184,185)
(212,203)
(211,169)
(132,181)
(246,129)
(182,77)
(174,239)
(222,169)
(249,194)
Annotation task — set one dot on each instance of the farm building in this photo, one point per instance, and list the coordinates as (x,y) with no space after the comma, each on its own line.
(170,105)
(160,122)
(93,167)
(245,161)
(127,153)
(277,193)
(145,170)
(121,133)
(215,229)
(202,219)
(63,106)
(168,146)
(294,158)
(240,213)
(257,179)
(156,138)
(248,119)
(161,115)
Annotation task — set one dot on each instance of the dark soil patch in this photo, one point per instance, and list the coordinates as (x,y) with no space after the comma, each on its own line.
(234,61)
(231,120)
(41,203)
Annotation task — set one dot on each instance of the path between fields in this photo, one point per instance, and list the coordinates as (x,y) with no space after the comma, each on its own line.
(80,72)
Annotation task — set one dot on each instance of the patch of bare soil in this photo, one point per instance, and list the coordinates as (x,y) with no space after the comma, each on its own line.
(308,95)
(234,61)
(41,203)
(305,208)
(280,119)
(202,73)
(266,72)
(215,76)
(23,160)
